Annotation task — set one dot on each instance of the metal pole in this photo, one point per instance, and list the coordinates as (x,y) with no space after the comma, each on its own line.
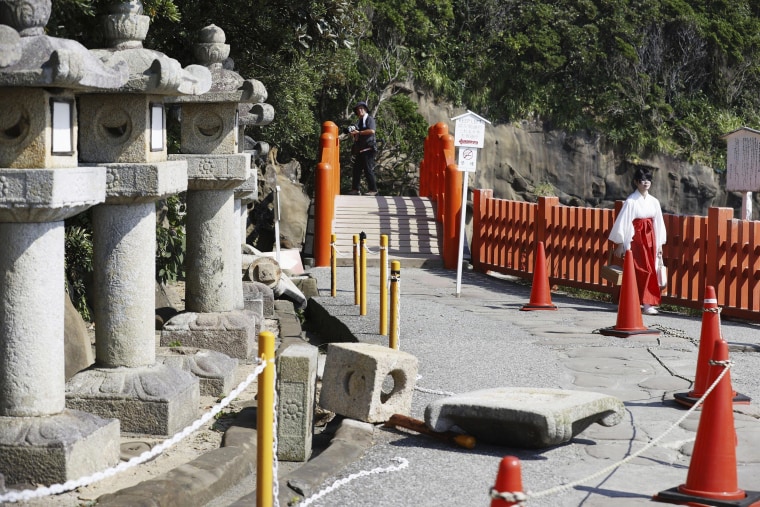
(395,290)
(363,278)
(357,296)
(383,284)
(461,233)
(265,422)
(333,267)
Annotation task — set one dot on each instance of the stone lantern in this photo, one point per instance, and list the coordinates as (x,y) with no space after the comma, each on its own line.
(124,132)
(216,167)
(41,184)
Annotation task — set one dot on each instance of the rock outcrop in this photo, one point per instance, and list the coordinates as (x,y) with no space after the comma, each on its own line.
(523,160)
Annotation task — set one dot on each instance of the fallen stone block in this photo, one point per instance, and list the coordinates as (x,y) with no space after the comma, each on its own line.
(524,417)
(367,382)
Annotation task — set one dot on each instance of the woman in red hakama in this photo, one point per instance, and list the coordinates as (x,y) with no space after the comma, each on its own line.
(640,228)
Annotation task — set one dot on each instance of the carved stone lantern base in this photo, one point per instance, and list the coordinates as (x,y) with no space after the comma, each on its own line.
(58,448)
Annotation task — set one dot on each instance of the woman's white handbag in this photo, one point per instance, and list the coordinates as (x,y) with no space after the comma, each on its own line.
(662,275)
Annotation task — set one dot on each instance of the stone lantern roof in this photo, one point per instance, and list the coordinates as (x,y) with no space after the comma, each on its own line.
(29,58)
(227,85)
(150,71)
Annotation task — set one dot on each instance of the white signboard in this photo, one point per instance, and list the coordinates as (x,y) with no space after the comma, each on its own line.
(62,129)
(468,158)
(157,127)
(469,131)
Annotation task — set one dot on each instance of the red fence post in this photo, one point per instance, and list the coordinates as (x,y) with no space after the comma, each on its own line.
(543,216)
(440,130)
(717,228)
(324,202)
(330,146)
(452,216)
(479,198)
(445,157)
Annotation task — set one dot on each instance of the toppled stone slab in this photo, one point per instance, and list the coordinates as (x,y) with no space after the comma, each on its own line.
(524,417)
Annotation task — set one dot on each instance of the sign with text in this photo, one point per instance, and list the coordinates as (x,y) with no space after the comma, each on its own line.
(469,130)
(468,159)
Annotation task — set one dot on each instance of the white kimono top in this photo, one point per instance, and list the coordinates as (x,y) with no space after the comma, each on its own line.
(638,206)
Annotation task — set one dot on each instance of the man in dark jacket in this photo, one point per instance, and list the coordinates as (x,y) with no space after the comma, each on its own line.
(364,150)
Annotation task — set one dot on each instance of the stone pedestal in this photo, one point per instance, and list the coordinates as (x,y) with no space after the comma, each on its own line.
(233,333)
(56,448)
(153,400)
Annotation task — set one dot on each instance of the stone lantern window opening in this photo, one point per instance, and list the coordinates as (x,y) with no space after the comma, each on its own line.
(157,127)
(62,119)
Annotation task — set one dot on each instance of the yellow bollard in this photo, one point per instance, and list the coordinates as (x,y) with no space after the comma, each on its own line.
(383,284)
(363,277)
(395,290)
(333,267)
(356,269)
(265,422)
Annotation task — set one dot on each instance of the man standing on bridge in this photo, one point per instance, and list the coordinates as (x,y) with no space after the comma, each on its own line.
(364,150)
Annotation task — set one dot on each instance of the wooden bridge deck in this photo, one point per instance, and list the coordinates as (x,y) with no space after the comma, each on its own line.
(409,223)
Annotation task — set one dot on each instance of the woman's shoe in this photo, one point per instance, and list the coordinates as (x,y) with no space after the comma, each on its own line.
(649,310)
(371,192)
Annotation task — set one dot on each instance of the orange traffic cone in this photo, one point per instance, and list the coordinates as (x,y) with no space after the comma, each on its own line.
(712,472)
(629,320)
(540,294)
(708,337)
(508,484)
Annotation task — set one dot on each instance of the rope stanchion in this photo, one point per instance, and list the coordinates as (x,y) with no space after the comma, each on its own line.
(383,285)
(333,267)
(357,293)
(393,341)
(265,423)
(363,274)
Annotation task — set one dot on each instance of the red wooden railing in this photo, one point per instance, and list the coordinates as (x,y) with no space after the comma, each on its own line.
(715,250)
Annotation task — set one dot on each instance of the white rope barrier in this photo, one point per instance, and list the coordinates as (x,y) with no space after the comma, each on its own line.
(432,391)
(402,464)
(56,489)
(337,252)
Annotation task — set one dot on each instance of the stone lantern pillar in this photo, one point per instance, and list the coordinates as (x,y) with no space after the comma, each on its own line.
(41,184)
(209,144)
(124,132)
